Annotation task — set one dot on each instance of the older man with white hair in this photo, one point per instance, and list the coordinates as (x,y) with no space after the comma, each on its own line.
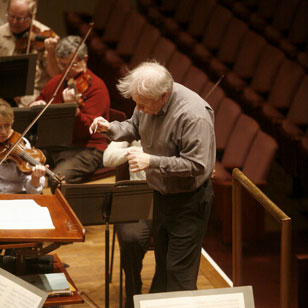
(13,41)
(176,129)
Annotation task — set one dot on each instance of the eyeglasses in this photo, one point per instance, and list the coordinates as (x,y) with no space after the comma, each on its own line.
(64,65)
(5,126)
(18,19)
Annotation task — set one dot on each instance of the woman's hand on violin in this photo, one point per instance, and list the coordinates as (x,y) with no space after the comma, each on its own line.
(99,125)
(69,95)
(37,172)
(37,103)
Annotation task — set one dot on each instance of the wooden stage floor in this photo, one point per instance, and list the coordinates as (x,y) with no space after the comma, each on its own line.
(87,268)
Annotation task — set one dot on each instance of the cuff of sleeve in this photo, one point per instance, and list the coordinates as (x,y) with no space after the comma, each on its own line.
(110,132)
(154,161)
(35,190)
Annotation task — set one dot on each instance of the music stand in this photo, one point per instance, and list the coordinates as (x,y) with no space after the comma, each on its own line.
(54,128)
(22,119)
(119,202)
(39,242)
(17,75)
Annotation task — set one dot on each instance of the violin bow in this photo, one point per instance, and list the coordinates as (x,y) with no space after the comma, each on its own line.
(34,10)
(53,96)
(214,87)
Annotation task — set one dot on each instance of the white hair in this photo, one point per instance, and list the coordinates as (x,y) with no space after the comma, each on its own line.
(68,45)
(149,79)
(31,5)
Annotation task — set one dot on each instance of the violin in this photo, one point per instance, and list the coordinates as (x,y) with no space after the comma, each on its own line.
(37,39)
(16,144)
(25,158)
(80,86)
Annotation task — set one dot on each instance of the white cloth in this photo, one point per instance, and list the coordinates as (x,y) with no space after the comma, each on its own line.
(13,181)
(116,154)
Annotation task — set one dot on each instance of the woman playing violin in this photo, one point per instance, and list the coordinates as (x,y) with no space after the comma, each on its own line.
(82,159)
(14,37)
(12,180)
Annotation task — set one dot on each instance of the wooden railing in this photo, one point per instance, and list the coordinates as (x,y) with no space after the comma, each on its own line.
(239,182)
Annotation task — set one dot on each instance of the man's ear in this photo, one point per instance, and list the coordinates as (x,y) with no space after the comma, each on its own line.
(165,97)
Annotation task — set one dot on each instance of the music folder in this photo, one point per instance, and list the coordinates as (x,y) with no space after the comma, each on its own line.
(17,75)
(17,293)
(235,297)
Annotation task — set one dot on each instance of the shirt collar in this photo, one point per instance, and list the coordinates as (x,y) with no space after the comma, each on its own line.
(165,107)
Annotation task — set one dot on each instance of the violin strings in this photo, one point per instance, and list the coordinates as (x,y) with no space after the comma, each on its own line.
(28,158)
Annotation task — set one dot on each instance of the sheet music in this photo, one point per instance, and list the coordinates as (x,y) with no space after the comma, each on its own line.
(24,214)
(13,295)
(232,300)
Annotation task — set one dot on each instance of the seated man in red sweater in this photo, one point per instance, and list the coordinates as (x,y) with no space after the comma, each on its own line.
(84,157)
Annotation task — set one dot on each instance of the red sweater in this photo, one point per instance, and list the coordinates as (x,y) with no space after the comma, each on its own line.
(97,104)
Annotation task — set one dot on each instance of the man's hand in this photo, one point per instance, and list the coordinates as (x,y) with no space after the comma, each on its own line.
(99,125)
(137,160)
(134,149)
(51,44)
(37,103)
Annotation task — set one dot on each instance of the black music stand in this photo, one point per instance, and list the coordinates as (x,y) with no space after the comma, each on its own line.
(22,119)
(119,202)
(53,128)
(17,75)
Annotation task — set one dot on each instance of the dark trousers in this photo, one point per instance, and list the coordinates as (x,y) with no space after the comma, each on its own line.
(74,163)
(134,239)
(179,225)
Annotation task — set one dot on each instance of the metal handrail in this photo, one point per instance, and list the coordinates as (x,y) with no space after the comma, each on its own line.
(239,181)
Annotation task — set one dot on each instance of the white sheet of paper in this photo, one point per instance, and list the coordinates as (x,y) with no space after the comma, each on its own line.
(24,214)
(13,295)
(232,300)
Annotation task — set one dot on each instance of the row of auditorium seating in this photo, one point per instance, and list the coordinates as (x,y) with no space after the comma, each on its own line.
(259,75)
(258,82)
(245,148)
(148,38)
(244,55)
(283,23)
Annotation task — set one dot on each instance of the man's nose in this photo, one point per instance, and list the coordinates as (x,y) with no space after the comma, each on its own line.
(14,20)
